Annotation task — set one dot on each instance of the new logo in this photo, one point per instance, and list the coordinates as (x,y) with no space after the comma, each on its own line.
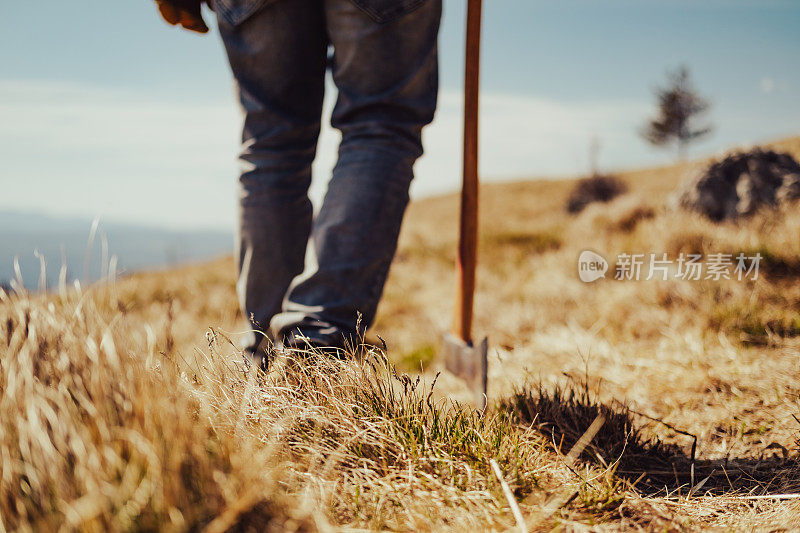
(591,266)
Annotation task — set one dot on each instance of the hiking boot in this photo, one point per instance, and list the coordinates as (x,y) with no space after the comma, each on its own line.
(302,346)
(258,357)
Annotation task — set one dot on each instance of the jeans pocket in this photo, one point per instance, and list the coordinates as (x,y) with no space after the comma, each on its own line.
(234,12)
(383,11)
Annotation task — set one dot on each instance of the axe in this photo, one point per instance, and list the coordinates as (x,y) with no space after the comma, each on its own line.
(463,358)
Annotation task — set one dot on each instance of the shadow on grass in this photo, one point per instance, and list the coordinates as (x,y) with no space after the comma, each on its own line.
(655,468)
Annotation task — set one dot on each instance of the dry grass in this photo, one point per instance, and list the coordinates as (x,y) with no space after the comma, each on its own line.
(107,429)
(125,407)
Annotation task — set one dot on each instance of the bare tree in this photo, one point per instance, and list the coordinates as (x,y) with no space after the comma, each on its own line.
(594,156)
(679,108)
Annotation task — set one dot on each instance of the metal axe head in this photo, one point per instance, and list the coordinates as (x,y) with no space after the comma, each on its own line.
(470,363)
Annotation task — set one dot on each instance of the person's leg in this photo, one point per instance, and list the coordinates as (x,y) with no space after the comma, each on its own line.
(387,75)
(278,57)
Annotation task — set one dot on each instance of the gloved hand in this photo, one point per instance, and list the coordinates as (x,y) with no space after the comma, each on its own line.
(183,12)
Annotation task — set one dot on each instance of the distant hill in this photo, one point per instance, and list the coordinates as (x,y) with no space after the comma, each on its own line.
(65,240)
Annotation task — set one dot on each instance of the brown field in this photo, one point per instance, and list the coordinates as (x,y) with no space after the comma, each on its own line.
(124,407)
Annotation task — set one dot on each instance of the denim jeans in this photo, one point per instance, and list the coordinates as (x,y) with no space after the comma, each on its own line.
(317,275)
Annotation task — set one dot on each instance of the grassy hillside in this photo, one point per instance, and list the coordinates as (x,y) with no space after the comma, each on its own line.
(124,406)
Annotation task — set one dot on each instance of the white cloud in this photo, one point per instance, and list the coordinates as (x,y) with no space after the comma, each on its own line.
(524,136)
(83,150)
(77,149)
(767,85)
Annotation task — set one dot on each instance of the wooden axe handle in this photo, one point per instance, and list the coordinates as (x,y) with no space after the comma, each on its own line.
(468,220)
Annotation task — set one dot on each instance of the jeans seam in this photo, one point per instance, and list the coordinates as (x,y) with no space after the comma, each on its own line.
(229,14)
(385,18)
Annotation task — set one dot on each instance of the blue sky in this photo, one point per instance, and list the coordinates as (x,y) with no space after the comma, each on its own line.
(105,110)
